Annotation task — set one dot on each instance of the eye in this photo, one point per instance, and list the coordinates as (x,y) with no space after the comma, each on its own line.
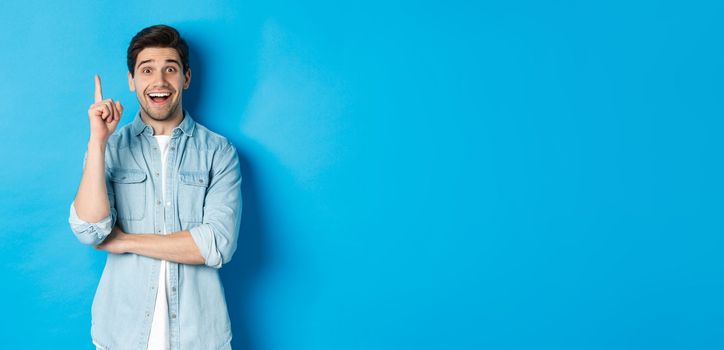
(170,69)
(146,70)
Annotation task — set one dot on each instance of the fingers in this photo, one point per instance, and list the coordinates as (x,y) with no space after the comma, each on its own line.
(105,109)
(111,110)
(108,110)
(100,110)
(119,107)
(119,110)
(99,91)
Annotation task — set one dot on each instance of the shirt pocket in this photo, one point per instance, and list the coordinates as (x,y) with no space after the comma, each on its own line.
(191,195)
(129,187)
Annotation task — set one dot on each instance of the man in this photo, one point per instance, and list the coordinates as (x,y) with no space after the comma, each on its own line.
(162,196)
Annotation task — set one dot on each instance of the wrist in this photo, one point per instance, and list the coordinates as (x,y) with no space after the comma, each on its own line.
(127,242)
(99,144)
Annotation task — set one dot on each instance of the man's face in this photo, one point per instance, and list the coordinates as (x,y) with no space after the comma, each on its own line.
(158,81)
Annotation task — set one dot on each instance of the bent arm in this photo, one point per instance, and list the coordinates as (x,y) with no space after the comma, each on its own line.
(217,235)
(92,215)
(91,201)
(177,247)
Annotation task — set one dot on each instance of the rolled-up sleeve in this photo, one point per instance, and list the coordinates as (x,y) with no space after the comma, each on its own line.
(217,235)
(91,233)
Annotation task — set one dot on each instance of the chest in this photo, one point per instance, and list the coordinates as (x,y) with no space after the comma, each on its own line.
(145,181)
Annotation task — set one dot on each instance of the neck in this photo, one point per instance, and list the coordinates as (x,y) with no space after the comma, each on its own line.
(164,127)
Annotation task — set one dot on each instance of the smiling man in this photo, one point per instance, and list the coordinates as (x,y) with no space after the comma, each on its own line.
(162,196)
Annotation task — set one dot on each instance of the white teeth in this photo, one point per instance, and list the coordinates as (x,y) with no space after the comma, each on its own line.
(159,94)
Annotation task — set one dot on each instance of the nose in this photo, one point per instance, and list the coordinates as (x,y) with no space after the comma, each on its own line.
(159,79)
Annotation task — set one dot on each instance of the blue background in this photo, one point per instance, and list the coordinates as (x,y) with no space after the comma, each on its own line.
(418,175)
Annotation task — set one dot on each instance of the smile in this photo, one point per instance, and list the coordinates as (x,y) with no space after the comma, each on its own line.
(159,98)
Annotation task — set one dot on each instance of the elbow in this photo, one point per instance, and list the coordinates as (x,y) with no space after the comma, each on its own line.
(89,240)
(213,262)
(216,250)
(89,235)
(218,258)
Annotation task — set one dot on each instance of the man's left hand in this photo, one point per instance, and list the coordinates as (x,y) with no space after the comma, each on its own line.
(115,242)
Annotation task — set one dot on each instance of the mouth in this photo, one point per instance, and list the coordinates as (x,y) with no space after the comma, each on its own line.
(159,98)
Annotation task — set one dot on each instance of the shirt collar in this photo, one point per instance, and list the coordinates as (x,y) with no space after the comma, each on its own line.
(187,125)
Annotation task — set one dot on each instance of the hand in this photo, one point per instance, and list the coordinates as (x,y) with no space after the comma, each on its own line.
(104,115)
(115,242)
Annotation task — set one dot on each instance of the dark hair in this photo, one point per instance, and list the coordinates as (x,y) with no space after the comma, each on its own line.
(157,36)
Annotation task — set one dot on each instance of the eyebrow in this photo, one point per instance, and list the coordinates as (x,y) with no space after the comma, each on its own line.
(167,61)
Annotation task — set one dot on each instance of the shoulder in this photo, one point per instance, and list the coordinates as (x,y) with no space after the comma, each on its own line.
(211,141)
(220,150)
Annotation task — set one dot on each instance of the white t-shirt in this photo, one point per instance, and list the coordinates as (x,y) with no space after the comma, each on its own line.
(159,338)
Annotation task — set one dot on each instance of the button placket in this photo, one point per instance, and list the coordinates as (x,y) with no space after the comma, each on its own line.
(170,182)
(157,188)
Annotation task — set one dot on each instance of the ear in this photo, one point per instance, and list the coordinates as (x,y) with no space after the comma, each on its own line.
(131,85)
(188,79)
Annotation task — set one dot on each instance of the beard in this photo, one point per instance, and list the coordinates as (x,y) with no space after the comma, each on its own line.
(160,115)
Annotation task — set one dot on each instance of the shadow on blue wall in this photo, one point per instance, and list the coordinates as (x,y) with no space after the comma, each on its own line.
(239,275)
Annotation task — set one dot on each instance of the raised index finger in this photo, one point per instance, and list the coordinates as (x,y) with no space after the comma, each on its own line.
(99,92)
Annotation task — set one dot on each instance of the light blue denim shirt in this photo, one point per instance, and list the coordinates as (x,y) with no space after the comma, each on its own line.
(203,196)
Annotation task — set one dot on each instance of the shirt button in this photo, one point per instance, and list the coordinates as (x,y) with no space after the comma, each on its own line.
(173,289)
(173,315)
(173,148)
(201,181)
(158,202)
(156,174)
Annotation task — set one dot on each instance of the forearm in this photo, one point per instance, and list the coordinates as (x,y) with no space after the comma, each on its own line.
(91,201)
(177,247)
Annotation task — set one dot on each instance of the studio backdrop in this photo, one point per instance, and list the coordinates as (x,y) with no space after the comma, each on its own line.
(416,174)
